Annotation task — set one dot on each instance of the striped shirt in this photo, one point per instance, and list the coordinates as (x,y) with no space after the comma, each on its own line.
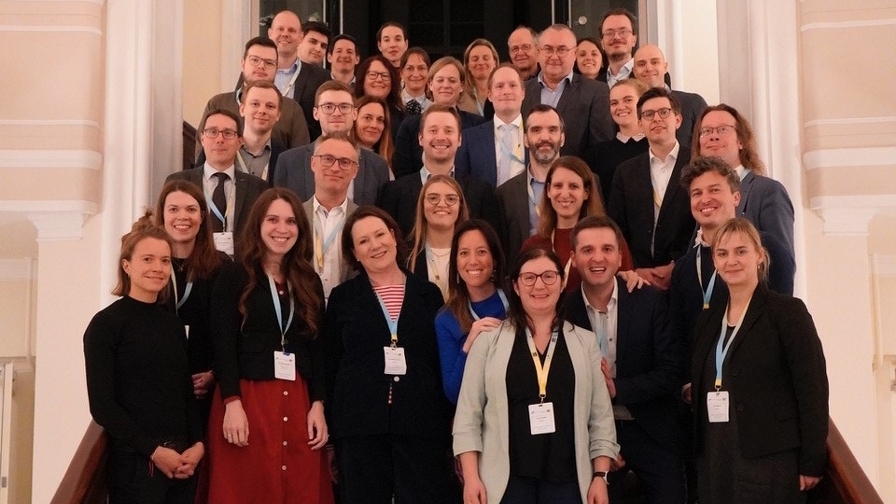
(392,296)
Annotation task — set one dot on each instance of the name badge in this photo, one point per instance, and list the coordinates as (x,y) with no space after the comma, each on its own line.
(395,362)
(224,242)
(284,366)
(541,418)
(187,330)
(717,406)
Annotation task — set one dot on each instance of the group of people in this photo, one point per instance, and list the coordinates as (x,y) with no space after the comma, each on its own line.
(461,281)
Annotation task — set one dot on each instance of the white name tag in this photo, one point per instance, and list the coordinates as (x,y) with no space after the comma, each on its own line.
(224,242)
(284,366)
(395,362)
(541,418)
(717,406)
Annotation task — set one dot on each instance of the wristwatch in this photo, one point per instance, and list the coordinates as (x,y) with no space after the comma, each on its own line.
(602,475)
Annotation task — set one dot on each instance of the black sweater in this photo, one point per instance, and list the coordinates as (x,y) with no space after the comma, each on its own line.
(138,380)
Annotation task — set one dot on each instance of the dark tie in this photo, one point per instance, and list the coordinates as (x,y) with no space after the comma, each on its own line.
(413,107)
(220,201)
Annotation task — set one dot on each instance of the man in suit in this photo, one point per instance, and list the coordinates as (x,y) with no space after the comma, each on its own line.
(646,201)
(230,192)
(619,34)
(584,104)
(518,198)
(335,165)
(522,45)
(293,79)
(440,137)
(343,58)
(641,362)
(335,110)
(650,68)
(493,151)
(315,40)
(258,65)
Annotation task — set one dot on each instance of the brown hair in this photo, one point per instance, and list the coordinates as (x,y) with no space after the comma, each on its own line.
(458,295)
(595,222)
(700,165)
(469,82)
(142,229)
(394,98)
(515,313)
(386,146)
(547,222)
(348,243)
(749,154)
(262,85)
(331,85)
(440,64)
(205,258)
(418,232)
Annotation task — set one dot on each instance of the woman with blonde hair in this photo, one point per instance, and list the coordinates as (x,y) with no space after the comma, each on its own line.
(480,59)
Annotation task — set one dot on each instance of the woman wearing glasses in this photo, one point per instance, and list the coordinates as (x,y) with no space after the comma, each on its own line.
(440,209)
(534,421)
(375,76)
(388,417)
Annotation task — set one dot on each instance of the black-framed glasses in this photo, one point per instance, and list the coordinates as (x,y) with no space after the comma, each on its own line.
(720,130)
(212,133)
(548,277)
(328,161)
(379,75)
(329,108)
(648,115)
(257,62)
(450,199)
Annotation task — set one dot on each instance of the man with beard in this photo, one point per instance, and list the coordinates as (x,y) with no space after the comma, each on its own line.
(518,198)
(618,38)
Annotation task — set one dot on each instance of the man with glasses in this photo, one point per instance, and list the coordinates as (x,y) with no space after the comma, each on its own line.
(334,164)
(334,110)
(439,135)
(584,104)
(259,64)
(230,193)
(647,202)
(523,48)
(618,37)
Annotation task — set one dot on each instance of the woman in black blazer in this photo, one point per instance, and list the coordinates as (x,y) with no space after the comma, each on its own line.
(760,390)
(388,416)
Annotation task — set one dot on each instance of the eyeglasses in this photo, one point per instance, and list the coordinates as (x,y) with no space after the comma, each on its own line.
(256,62)
(521,48)
(212,133)
(621,33)
(560,51)
(720,130)
(435,199)
(382,75)
(548,277)
(648,115)
(329,108)
(328,161)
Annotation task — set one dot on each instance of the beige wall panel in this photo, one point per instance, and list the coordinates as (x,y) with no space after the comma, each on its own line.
(202,57)
(40,135)
(51,184)
(22,446)
(14,317)
(838,10)
(852,180)
(18,239)
(871,133)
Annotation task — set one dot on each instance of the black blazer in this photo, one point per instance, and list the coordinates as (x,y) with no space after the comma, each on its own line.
(408,156)
(355,333)
(585,109)
(648,360)
(775,372)
(277,148)
(399,199)
(631,206)
(310,78)
(513,215)
(692,106)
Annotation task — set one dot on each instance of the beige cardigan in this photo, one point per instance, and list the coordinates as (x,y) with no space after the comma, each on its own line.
(481,422)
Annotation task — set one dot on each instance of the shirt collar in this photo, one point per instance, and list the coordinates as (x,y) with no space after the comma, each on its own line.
(611,304)
(565,80)
(698,241)
(673,154)
(208,170)
(316,207)
(518,121)
(425,174)
(627,67)
(742,172)
(625,138)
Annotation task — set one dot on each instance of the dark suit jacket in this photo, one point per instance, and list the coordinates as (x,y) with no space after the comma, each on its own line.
(248,189)
(291,129)
(765,202)
(648,360)
(399,199)
(476,155)
(294,173)
(775,372)
(310,78)
(408,156)
(631,206)
(277,148)
(354,334)
(513,215)
(692,106)
(585,109)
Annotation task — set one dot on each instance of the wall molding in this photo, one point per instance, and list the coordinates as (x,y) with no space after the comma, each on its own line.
(850,121)
(58,28)
(50,122)
(883,265)
(31,159)
(55,220)
(850,215)
(833,25)
(13,270)
(858,156)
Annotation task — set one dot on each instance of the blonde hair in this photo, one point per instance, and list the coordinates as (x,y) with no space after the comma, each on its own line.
(742,226)
(418,232)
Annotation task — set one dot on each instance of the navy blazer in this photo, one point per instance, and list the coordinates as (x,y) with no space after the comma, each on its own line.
(648,360)
(355,332)
(476,156)
(294,173)
(585,109)
(766,204)
(408,156)
(775,372)
(631,206)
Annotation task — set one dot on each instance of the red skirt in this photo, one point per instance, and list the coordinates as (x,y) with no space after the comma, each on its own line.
(277,466)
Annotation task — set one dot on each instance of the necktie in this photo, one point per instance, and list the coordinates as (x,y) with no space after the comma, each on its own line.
(413,107)
(219,200)
(507,154)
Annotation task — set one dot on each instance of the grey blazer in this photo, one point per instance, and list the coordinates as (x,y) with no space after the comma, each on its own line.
(294,173)
(481,423)
(764,202)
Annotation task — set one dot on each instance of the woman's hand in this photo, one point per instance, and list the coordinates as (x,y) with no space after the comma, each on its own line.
(808,482)
(189,460)
(167,460)
(317,426)
(632,280)
(597,492)
(203,383)
(483,324)
(236,425)
(474,491)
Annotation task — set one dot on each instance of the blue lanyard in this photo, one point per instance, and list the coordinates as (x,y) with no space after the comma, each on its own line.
(503,301)
(279,311)
(180,302)
(722,352)
(393,324)
(707,294)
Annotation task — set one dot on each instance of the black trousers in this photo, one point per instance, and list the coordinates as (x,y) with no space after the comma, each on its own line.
(532,491)
(133,479)
(660,471)
(373,469)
